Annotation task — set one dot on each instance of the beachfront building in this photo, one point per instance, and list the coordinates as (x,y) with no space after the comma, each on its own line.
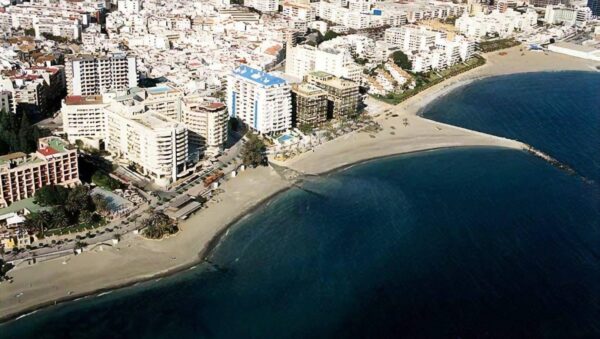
(207,126)
(567,15)
(502,24)
(309,104)
(303,59)
(94,75)
(343,95)
(430,49)
(259,99)
(155,145)
(21,175)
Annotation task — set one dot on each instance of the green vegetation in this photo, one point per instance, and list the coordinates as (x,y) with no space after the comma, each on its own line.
(401,60)
(158,225)
(329,35)
(29,31)
(424,81)
(305,128)
(56,38)
(17,134)
(498,44)
(102,179)
(4,268)
(253,151)
(72,210)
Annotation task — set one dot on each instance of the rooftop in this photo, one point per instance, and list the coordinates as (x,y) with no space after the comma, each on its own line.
(83,100)
(258,77)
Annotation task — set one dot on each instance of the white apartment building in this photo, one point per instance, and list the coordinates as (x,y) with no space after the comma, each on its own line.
(70,29)
(411,38)
(94,75)
(129,6)
(504,24)
(84,119)
(265,6)
(156,145)
(303,59)
(259,99)
(429,49)
(572,16)
(298,10)
(207,125)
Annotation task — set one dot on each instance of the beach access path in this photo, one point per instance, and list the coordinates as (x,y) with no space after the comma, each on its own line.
(135,258)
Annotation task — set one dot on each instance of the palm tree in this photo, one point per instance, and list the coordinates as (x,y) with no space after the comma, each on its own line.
(38,222)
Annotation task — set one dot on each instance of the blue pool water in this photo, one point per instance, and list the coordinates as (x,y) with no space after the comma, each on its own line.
(460,243)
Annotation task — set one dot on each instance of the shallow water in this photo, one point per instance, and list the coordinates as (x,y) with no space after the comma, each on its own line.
(475,242)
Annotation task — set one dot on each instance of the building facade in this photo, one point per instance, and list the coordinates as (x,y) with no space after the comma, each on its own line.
(94,75)
(343,95)
(207,125)
(260,100)
(21,175)
(309,104)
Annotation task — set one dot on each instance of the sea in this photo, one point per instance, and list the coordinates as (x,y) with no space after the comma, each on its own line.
(456,243)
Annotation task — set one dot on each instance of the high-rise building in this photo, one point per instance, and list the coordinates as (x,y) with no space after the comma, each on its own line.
(157,146)
(21,175)
(303,59)
(94,75)
(309,104)
(84,119)
(343,95)
(260,100)
(567,15)
(594,5)
(207,125)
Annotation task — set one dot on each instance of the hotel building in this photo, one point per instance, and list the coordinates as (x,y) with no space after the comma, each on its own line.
(309,104)
(157,146)
(343,95)
(260,100)
(21,175)
(94,75)
(207,126)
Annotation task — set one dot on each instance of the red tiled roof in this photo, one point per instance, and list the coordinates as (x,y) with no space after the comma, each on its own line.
(46,151)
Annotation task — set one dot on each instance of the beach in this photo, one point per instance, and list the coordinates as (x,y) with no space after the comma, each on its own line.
(135,259)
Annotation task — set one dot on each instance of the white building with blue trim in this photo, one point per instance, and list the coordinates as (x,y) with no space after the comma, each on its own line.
(259,99)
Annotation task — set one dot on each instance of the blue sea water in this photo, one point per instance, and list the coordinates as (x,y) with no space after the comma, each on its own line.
(458,243)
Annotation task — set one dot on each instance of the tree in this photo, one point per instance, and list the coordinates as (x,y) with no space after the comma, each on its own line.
(102,179)
(305,128)
(253,151)
(78,200)
(401,60)
(86,217)
(158,225)
(51,195)
(4,268)
(330,35)
(37,223)
(60,218)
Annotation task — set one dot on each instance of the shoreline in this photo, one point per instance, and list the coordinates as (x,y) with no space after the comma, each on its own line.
(147,261)
(202,256)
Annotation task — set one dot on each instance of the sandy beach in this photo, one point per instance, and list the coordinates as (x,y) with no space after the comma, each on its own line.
(135,258)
